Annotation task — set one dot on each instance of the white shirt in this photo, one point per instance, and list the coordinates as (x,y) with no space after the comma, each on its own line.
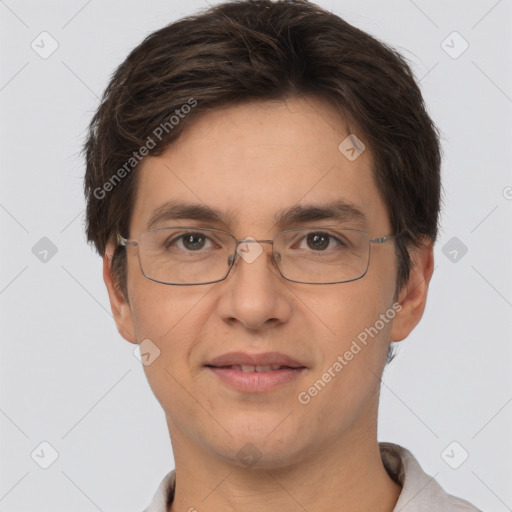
(420,492)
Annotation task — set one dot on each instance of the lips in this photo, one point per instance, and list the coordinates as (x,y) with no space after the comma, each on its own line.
(255,373)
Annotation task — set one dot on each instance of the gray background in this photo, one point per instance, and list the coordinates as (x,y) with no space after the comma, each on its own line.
(69,379)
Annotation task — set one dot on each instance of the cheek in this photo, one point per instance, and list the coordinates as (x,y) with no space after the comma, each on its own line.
(172,325)
(172,322)
(358,318)
(171,317)
(158,310)
(347,309)
(346,384)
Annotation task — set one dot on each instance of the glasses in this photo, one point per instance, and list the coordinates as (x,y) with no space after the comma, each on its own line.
(183,255)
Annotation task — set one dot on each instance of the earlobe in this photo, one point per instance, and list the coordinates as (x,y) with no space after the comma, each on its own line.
(413,296)
(120,308)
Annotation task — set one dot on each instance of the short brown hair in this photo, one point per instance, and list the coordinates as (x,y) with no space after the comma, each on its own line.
(249,50)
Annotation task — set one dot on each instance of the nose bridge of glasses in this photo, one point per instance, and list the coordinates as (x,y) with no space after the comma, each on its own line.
(252,240)
(253,254)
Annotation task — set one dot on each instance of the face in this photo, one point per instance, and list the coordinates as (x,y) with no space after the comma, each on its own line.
(251,162)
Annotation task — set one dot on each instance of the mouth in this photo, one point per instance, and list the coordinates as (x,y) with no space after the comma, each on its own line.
(256,368)
(255,373)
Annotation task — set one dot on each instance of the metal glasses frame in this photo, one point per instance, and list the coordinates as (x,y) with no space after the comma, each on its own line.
(232,258)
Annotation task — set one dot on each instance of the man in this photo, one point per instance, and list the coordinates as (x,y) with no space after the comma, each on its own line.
(263,183)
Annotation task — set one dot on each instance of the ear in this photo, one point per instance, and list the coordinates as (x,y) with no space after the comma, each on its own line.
(120,308)
(413,296)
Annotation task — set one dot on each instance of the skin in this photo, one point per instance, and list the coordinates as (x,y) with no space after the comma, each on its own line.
(256,159)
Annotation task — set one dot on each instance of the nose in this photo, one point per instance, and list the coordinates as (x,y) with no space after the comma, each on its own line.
(254,293)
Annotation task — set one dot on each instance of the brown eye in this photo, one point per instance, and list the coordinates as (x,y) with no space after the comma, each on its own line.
(193,241)
(188,242)
(318,241)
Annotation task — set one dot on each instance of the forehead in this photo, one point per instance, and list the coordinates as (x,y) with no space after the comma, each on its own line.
(252,163)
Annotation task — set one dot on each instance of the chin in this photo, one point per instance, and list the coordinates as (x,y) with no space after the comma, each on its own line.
(269,446)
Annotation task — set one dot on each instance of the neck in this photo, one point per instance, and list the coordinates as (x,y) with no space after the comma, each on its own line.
(347,475)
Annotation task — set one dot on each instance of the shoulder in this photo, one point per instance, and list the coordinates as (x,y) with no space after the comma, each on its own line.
(420,492)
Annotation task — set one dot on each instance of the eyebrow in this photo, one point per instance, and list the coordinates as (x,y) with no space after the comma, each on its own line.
(339,211)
